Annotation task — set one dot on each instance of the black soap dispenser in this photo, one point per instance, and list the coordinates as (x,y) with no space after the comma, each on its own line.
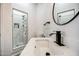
(58,38)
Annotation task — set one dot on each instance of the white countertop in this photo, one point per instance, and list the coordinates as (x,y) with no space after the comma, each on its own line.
(54,49)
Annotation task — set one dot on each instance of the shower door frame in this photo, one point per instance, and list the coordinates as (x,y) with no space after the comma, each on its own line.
(18,50)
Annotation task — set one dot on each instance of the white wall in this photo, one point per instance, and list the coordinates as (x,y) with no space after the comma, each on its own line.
(71,30)
(6,29)
(43,15)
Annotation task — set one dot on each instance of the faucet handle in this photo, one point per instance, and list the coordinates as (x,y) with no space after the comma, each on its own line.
(52,33)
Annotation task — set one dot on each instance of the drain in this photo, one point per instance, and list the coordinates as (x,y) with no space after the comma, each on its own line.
(47,54)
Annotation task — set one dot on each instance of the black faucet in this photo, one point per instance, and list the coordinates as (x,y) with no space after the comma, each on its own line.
(58,38)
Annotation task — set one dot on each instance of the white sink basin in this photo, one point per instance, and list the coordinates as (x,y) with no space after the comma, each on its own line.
(42,43)
(41,46)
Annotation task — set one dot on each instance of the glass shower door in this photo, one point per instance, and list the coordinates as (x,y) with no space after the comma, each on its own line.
(19,29)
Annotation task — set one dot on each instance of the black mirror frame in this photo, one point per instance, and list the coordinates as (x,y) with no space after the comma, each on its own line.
(63,23)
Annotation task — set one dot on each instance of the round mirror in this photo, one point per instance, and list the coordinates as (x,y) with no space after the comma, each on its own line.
(64,13)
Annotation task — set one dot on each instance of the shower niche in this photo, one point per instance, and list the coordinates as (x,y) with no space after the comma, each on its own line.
(20,32)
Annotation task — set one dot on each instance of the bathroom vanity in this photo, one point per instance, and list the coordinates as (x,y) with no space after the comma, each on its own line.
(45,47)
